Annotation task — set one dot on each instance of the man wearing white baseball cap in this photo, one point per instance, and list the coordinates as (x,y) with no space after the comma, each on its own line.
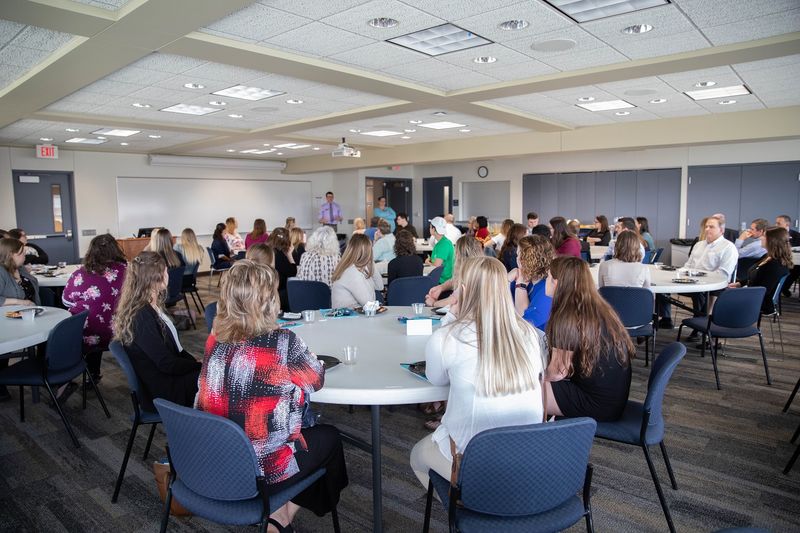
(443,253)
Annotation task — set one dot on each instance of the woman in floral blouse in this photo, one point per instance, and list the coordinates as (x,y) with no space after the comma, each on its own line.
(95,287)
(260,376)
(321,256)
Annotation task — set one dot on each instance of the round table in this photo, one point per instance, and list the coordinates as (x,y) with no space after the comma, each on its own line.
(60,278)
(376,379)
(423,246)
(661,281)
(796,256)
(17,334)
(597,252)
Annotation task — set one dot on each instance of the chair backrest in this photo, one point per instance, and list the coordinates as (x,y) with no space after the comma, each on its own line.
(657,255)
(634,305)
(663,367)
(211,256)
(211,455)
(406,291)
(304,295)
(174,283)
(121,355)
(776,296)
(738,308)
(526,470)
(648,257)
(210,313)
(586,256)
(65,343)
(195,268)
(436,273)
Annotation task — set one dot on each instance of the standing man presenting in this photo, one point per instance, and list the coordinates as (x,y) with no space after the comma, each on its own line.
(386,213)
(330,214)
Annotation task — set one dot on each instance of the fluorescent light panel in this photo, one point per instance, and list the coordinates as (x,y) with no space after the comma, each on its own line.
(82,140)
(381,133)
(114,132)
(586,10)
(442,125)
(440,40)
(186,109)
(244,92)
(606,106)
(292,146)
(718,92)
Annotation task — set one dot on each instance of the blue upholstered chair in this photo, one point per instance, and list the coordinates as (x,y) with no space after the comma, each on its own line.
(305,295)
(775,315)
(215,473)
(642,424)
(63,361)
(406,291)
(634,305)
(175,292)
(736,315)
(212,269)
(648,257)
(139,417)
(521,479)
(657,255)
(210,313)
(436,273)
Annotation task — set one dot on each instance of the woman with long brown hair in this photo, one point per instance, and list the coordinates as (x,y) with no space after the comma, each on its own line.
(355,279)
(589,372)
(601,234)
(298,239)
(259,233)
(564,242)
(769,270)
(508,252)
(281,243)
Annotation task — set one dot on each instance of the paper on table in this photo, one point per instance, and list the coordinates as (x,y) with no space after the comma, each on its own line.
(418,369)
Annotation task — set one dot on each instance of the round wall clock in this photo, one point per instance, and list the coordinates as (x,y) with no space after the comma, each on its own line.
(483,172)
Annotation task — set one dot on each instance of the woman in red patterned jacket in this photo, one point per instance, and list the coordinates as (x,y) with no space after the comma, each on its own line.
(260,376)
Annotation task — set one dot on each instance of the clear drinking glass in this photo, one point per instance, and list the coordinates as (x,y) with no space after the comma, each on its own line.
(309,315)
(350,355)
(418,308)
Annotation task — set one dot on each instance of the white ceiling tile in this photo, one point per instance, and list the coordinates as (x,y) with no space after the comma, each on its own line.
(542,18)
(65,106)
(743,103)
(85,97)
(41,38)
(579,60)
(666,20)
(686,81)
(681,112)
(378,56)
(708,13)
(176,83)
(661,46)
(138,76)
(256,23)
(111,5)
(453,9)
(755,28)
(465,58)
(148,95)
(356,19)
(466,80)
(780,100)
(570,96)
(9,30)
(285,84)
(22,57)
(10,74)
(168,63)
(227,73)
(776,63)
(584,42)
(317,39)
(313,9)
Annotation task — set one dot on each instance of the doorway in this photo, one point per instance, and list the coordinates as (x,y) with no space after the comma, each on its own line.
(46,211)
(396,190)
(437,200)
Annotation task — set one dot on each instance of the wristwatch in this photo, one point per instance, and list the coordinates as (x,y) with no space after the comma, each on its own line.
(521,286)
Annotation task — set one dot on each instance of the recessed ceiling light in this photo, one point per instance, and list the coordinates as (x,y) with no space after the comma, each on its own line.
(622,113)
(236,115)
(718,92)
(726,102)
(465,130)
(101,137)
(586,10)
(410,130)
(194,86)
(141,105)
(187,109)
(250,151)
(72,130)
(606,106)
(511,25)
(293,101)
(405,137)
(244,92)
(218,103)
(354,130)
(637,29)
(381,133)
(658,100)
(154,136)
(292,146)
(46,139)
(705,84)
(230,150)
(415,122)
(554,45)
(261,152)
(484,59)
(280,153)
(81,140)
(123,144)
(266,144)
(315,148)
(586,99)
(439,113)
(439,40)
(115,132)
(442,125)
(383,22)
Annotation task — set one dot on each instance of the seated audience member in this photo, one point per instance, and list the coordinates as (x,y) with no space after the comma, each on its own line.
(622,225)
(493,245)
(259,233)
(355,279)
(17,286)
(574,227)
(564,242)
(232,237)
(440,295)
(626,268)
(34,255)
(472,227)
(383,248)
(290,223)
(749,241)
(589,373)
(406,262)
(769,270)
(643,227)
(164,368)
(402,223)
(508,252)
(151,246)
(533,221)
(372,229)
(543,230)
(785,222)
(385,212)
(492,360)
(95,287)
(359,226)
(192,254)
(163,246)
(601,234)
(443,253)
(321,257)
(3,234)
(260,376)
(712,254)
(729,233)
(482,233)
(451,231)
(281,243)
(261,253)
(528,280)
(298,238)
(219,247)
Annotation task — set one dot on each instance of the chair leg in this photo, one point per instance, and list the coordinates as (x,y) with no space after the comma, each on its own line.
(167,505)
(426,524)
(189,311)
(149,442)
(335,518)
(703,340)
(96,391)
(83,395)
(764,357)
(780,333)
(647,353)
(657,483)
(791,462)
(714,346)
(121,476)
(22,402)
(210,275)
(202,305)
(680,329)
(669,466)
(791,396)
(61,414)
(796,434)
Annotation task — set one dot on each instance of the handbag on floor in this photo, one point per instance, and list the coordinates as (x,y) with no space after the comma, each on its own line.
(161,473)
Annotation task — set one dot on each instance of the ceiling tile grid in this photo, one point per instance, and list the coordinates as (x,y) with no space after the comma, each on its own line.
(541,17)
(266,143)
(23,47)
(356,19)
(757,27)
(377,56)
(254,23)
(317,39)
(710,13)
(313,9)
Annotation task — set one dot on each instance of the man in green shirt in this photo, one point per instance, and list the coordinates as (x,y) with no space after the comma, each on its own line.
(443,253)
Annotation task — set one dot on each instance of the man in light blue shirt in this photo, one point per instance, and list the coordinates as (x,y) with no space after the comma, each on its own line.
(383,249)
(749,242)
(330,214)
(386,213)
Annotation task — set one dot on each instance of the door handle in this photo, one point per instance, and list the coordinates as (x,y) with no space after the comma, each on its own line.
(69,235)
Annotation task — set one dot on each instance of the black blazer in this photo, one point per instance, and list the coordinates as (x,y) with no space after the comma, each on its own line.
(404,266)
(41,259)
(766,275)
(163,371)
(411,229)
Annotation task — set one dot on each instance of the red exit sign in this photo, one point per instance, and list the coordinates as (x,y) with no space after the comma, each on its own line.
(46,151)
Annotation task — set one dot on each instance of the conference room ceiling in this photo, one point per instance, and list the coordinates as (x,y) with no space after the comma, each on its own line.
(90,64)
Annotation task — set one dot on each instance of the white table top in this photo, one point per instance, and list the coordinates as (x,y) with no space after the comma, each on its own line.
(60,279)
(16,334)
(661,281)
(423,246)
(597,252)
(377,378)
(383,268)
(796,256)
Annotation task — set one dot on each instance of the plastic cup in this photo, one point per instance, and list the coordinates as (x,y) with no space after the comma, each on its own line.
(658,264)
(418,308)
(369,312)
(350,355)
(309,315)
(28,315)
(62,264)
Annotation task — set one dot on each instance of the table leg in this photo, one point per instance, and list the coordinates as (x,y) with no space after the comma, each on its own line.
(377,488)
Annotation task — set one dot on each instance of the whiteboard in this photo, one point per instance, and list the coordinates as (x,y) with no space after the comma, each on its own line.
(177,203)
(488,198)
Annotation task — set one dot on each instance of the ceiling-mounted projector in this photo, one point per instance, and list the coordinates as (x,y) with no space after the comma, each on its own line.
(345,150)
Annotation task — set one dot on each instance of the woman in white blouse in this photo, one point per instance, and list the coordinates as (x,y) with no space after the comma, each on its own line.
(355,279)
(492,360)
(232,238)
(321,256)
(626,268)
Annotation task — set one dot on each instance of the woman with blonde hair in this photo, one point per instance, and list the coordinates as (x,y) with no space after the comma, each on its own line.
(492,360)
(190,250)
(321,257)
(151,246)
(298,238)
(626,268)
(589,373)
(359,226)
(233,239)
(355,279)
(164,368)
(164,247)
(528,280)
(262,254)
(259,233)
(260,376)
(464,249)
